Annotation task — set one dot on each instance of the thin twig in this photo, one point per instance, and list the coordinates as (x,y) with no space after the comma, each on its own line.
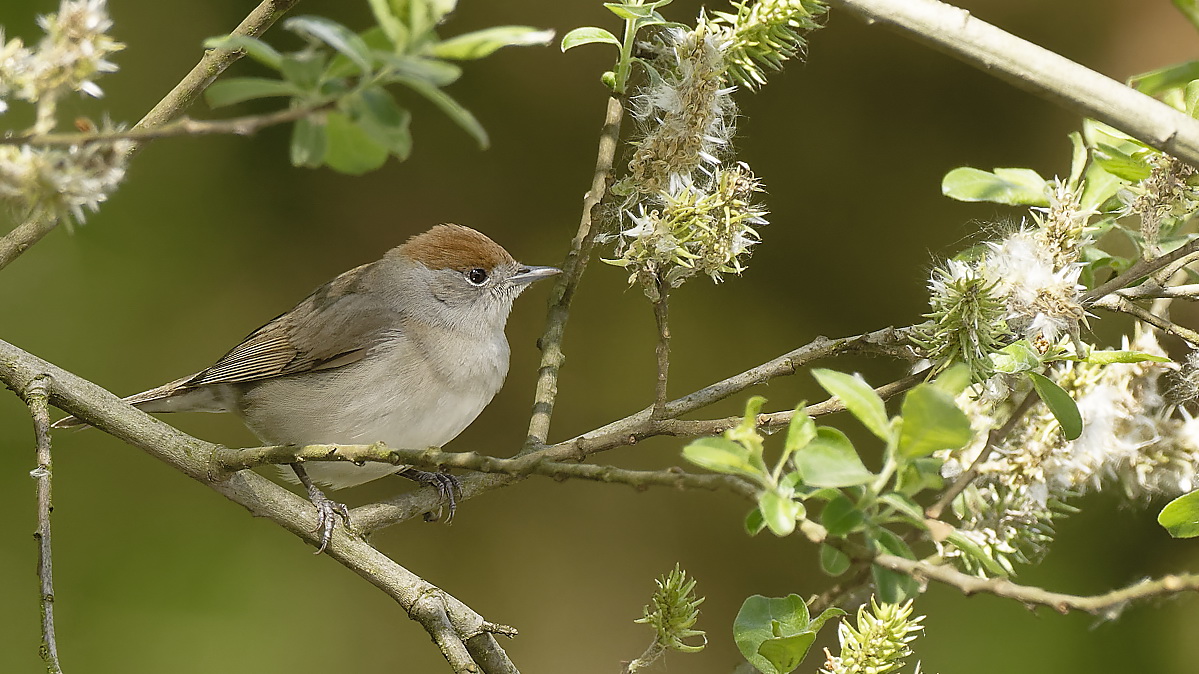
(185,126)
(1107,605)
(1188,291)
(1122,305)
(36,394)
(1036,69)
(563,291)
(1139,270)
(996,436)
(662,349)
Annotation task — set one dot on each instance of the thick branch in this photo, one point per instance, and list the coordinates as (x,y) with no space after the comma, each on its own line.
(1107,605)
(257,494)
(36,394)
(1036,69)
(564,289)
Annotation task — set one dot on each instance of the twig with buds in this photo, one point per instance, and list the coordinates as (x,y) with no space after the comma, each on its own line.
(36,394)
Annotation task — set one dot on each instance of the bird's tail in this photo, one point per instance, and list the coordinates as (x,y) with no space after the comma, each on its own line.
(170,397)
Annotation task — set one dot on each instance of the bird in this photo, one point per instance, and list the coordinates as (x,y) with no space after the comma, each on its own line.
(407,350)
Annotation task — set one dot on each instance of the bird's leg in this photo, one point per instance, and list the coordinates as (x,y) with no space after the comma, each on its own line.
(447,486)
(326,509)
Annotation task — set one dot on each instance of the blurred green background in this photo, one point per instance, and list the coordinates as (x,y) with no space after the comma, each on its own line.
(210,237)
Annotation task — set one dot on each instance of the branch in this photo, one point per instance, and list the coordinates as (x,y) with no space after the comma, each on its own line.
(1124,306)
(564,288)
(1107,605)
(423,601)
(238,126)
(23,236)
(1149,290)
(1036,69)
(35,394)
(1139,270)
(662,349)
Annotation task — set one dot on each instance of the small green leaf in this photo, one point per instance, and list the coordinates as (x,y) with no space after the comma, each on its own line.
(1189,9)
(627,12)
(931,421)
(1121,164)
(1190,96)
(786,653)
(385,122)
(452,109)
(588,35)
(830,461)
(977,553)
(349,148)
(954,380)
(238,89)
(840,516)
(800,431)
(304,69)
(904,505)
(916,476)
(1063,407)
(762,618)
(779,512)
(1180,517)
(1011,186)
(1159,81)
(253,47)
(722,455)
(337,36)
(1109,357)
(485,42)
(308,143)
(858,398)
(432,71)
(1078,160)
(887,541)
(893,587)
(833,561)
(1019,356)
(754,522)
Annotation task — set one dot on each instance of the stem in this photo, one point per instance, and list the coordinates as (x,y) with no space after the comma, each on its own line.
(662,349)
(563,291)
(23,236)
(36,394)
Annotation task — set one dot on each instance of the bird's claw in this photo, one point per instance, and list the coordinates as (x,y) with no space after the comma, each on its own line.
(448,488)
(327,512)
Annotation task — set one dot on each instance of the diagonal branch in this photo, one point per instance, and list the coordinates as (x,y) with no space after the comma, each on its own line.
(563,291)
(1036,69)
(423,601)
(36,394)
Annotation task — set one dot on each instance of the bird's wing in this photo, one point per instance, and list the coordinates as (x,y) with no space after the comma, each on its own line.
(334,326)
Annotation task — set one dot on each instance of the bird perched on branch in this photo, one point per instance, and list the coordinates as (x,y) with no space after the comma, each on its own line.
(407,350)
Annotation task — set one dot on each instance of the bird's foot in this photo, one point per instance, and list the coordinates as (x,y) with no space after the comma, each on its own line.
(327,510)
(447,486)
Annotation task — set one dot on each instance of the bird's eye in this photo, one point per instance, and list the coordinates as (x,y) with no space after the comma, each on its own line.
(476,276)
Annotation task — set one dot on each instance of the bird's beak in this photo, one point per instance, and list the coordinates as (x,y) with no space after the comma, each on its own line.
(530,274)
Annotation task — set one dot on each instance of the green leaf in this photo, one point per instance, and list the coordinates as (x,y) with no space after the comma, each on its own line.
(253,47)
(1078,160)
(238,89)
(916,476)
(432,71)
(485,42)
(349,148)
(833,561)
(1063,407)
(308,143)
(830,461)
(1019,356)
(303,69)
(800,431)
(893,587)
(954,380)
(1159,81)
(390,24)
(588,35)
(779,512)
(722,455)
(1190,96)
(1180,517)
(859,399)
(385,122)
(1109,357)
(786,653)
(627,12)
(887,541)
(840,516)
(1011,186)
(931,421)
(763,618)
(460,115)
(337,36)
(1099,187)
(904,505)
(977,553)
(754,522)
(1121,164)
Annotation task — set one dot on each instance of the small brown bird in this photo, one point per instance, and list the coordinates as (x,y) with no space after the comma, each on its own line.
(407,350)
